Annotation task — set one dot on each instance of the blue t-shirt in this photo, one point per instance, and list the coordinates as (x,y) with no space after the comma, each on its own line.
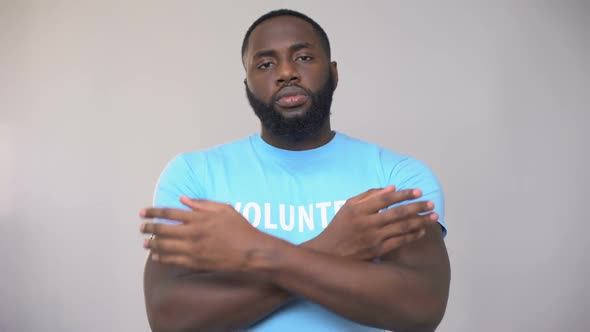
(293,195)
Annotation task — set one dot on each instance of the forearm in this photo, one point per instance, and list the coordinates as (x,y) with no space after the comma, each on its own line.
(209,301)
(213,302)
(382,295)
(408,293)
(375,294)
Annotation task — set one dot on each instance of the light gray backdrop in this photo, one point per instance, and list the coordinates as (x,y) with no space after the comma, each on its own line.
(96,97)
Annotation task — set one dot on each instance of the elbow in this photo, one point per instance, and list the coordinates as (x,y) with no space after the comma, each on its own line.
(426,321)
(161,318)
(423,307)
(420,316)
(166,315)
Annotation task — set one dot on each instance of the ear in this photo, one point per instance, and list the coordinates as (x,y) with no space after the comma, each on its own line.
(334,66)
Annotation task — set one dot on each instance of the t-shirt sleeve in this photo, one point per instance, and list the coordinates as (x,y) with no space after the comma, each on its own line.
(176,180)
(410,173)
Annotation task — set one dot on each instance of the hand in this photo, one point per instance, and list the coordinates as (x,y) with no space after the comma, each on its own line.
(361,230)
(212,237)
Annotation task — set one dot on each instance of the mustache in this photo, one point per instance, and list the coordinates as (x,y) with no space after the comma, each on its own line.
(275,96)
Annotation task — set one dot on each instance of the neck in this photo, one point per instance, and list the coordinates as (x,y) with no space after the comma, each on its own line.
(312,141)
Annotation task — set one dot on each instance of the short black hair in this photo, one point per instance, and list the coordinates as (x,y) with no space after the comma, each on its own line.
(288,12)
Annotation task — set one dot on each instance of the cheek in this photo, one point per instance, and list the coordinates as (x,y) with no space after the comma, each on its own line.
(260,89)
(314,78)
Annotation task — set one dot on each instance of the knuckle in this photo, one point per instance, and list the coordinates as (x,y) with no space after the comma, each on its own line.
(396,213)
(405,227)
(404,210)
(353,211)
(415,208)
(409,193)
(168,259)
(147,228)
(416,235)
(348,202)
(154,227)
(375,249)
(376,252)
(194,247)
(154,244)
(165,260)
(384,200)
(165,213)
(417,225)
(399,196)
(419,222)
(402,240)
(369,192)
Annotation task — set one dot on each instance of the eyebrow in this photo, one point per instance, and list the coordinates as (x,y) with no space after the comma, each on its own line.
(293,48)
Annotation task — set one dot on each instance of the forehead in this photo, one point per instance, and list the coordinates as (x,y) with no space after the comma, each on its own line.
(281,32)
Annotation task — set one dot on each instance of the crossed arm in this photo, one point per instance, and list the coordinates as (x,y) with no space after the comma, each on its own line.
(406,291)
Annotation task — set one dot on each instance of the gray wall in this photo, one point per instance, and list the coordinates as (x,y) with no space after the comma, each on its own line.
(96,96)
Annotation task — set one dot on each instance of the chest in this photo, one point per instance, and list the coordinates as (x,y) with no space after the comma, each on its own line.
(292,203)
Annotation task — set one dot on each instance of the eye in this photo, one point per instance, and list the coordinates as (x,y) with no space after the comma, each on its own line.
(265,65)
(305,58)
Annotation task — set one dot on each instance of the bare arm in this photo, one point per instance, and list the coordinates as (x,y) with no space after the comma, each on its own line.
(216,301)
(181,300)
(407,292)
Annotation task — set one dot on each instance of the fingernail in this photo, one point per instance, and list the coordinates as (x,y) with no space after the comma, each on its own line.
(146,243)
(142,213)
(142,227)
(430,205)
(433,217)
(417,192)
(155,257)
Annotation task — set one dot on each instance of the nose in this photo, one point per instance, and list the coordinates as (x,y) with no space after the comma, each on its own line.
(287,73)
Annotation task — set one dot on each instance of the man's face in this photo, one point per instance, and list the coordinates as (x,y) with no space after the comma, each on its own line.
(290,81)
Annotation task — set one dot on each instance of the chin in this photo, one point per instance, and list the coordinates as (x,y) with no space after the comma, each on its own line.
(293,113)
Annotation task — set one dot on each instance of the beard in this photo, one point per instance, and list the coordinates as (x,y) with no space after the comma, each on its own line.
(298,128)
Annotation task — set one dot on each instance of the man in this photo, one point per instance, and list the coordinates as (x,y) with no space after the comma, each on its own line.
(347,236)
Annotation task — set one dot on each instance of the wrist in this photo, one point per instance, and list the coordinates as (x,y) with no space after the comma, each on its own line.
(318,244)
(264,259)
(312,244)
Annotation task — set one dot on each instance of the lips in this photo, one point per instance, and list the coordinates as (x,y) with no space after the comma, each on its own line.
(291,96)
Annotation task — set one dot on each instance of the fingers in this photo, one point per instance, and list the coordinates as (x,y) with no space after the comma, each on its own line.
(396,242)
(162,230)
(409,225)
(190,202)
(370,193)
(183,216)
(166,246)
(203,204)
(386,198)
(404,211)
(193,203)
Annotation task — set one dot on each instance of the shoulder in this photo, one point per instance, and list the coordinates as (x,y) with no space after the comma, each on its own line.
(389,159)
(200,160)
(188,173)
(188,165)
(400,169)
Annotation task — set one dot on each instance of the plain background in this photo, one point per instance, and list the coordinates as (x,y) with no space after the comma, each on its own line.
(96,97)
